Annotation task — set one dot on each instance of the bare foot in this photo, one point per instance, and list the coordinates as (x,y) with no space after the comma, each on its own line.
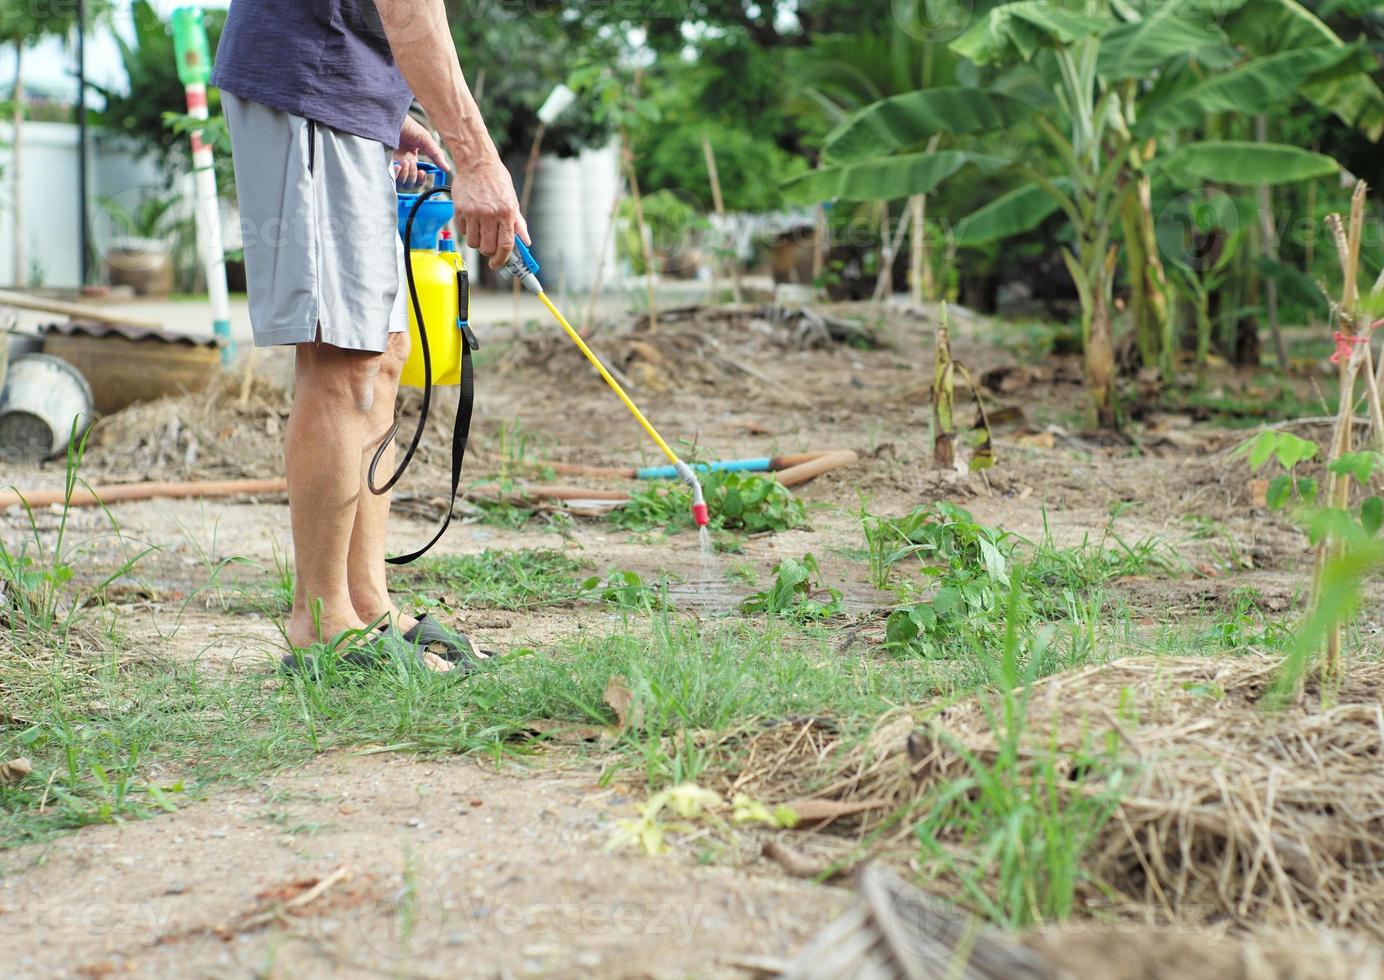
(374,613)
(303,631)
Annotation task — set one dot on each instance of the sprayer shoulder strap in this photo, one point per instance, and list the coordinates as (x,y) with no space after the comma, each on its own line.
(461,430)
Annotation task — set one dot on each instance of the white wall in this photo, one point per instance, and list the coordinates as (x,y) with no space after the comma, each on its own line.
(570,207)
(49,175)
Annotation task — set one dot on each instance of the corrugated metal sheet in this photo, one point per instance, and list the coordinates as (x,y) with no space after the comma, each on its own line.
(76,328)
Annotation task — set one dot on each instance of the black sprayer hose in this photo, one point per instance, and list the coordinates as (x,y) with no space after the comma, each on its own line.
(427,362)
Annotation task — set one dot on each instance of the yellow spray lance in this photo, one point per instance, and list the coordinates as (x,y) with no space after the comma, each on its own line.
(442,341)
(523,267)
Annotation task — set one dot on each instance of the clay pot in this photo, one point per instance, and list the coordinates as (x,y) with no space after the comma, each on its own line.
(143,264)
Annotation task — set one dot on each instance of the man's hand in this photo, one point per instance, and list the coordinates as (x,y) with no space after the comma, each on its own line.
(414,139)
(487,212)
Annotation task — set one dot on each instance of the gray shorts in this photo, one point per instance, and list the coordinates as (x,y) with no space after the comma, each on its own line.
(318,215)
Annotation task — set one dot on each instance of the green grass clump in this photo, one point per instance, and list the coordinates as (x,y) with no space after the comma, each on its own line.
(43,599)
(1015,828)
(514,580)
(964,571)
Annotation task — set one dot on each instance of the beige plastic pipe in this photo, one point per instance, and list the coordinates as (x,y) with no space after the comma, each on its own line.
(83,497)
(813,465)
(811,469)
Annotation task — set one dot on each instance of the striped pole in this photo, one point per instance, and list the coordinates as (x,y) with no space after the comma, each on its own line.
(194,69)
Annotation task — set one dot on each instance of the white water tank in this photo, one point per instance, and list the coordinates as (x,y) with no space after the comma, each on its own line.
(568,212)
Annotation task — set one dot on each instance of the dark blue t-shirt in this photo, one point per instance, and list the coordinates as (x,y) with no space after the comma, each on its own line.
(324,60)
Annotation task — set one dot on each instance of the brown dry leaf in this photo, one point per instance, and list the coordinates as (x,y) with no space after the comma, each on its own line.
(1259,493)
(813,813)
(15,770)
(621,701)
(1037,440)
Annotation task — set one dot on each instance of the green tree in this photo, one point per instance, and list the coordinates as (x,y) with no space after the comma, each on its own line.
(1104,122)
(140,112)
(513,56)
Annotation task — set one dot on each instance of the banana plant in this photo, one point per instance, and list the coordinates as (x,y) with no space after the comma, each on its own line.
(1120,82)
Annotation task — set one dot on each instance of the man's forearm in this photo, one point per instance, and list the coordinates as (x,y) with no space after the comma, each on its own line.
(422,45)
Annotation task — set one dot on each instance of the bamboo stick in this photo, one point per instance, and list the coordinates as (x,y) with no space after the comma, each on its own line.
(76,311)
(719,204)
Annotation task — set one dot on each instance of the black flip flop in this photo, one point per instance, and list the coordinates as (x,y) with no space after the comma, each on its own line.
(364,654)
(452,646)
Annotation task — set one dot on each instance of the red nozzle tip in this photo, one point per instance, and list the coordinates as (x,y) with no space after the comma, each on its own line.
(701,515)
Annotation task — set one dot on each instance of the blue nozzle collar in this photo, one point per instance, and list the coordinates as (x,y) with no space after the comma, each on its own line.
(525,256)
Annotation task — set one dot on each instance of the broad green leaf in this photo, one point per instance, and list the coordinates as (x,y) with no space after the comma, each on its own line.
(900,628)
(1280,492)
(1021,29)
(1291,450)
(1014,213)
(1335,523)
(1287,448)
(903,121)
(1263,84)
(1135,50)
(1361,465)
(885,178)
(1371,514)
(1307,490)
(994,561)
(1260,449)
(1234,162)
(1266,26)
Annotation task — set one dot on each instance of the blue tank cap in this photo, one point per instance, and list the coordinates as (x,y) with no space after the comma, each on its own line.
(448,244)
(432,216)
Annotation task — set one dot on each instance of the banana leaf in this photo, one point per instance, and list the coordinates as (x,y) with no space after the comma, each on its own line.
(1023,29)
(1266,26)
(905,120)
(1136,49)
(1014,213)
(1233,162)
(885,178)
(1261,85)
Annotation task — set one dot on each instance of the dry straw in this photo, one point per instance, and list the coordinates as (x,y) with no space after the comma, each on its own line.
(1230,812)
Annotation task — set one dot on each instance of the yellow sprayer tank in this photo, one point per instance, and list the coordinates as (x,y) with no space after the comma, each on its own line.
(440,278)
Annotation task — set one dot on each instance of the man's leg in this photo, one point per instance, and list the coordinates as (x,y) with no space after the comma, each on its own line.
(366,583)
(333,396)
(368,587)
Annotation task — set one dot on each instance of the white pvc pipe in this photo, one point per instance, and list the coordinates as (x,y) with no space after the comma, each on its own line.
(209,247)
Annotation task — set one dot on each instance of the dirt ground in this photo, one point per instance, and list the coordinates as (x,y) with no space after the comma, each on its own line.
(448,867)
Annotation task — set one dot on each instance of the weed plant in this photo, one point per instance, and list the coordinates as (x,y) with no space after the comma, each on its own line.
(746,502)
(42,599)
